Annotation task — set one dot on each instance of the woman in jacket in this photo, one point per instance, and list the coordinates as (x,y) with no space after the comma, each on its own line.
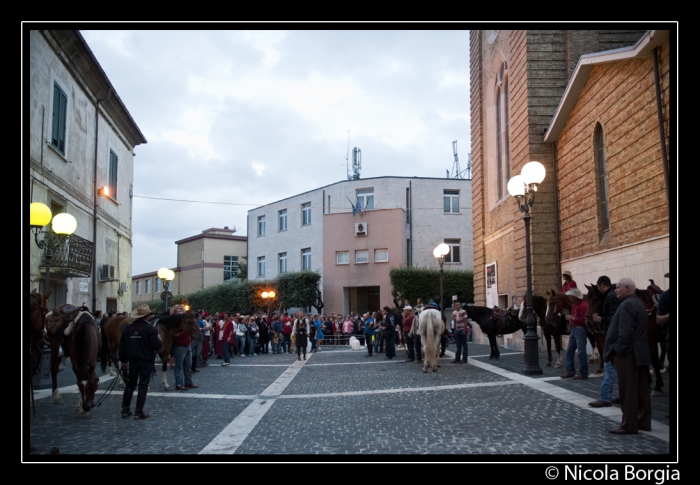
(301,332)
(241,333)
(219,332)
(252,336)
(227,340)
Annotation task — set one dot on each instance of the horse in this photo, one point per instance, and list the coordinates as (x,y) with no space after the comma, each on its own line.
(595,300)
(557,302)
(75,329)
(655,335)
(494,325)
(168,326)
(38,308)
(431,328)
(549,330)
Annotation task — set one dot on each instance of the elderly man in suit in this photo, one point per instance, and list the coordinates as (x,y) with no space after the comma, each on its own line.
(626,347)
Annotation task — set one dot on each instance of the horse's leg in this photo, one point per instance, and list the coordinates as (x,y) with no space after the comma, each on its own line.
(557,346)
(548,338)
(494,345)
(654,351)
(662,357)
(55,361)
(600,343)
(594,347)
(166,387)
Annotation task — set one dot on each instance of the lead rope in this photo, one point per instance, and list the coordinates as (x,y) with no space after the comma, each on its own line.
(111,387)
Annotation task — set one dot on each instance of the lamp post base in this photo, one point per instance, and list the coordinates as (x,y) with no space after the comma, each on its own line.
(532,362)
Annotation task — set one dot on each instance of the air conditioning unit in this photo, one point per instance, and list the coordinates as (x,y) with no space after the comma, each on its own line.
(106,272)
(122,287)
(360,229)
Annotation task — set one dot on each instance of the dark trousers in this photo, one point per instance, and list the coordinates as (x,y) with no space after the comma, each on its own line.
(461,341)
(634,393)
(443,345)
(390,347)
(417,345)
(409,346)
(370,344)
(139,372)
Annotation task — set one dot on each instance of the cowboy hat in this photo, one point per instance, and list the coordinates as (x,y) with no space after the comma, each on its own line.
(408,307)
(566,272)
(575,292)
(142,310)
(175,307)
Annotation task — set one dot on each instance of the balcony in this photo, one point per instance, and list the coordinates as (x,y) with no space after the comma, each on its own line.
(72,259)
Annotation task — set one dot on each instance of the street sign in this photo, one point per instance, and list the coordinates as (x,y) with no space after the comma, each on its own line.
(165,295)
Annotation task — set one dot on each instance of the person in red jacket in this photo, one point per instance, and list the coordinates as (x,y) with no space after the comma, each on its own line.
(577,337)
(287,324)
(568,281)
(228,339)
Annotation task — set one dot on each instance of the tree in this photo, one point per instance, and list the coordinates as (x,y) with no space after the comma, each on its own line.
(299,289)
(424,283)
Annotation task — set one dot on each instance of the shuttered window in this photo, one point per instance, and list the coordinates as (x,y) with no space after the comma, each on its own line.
(58,127)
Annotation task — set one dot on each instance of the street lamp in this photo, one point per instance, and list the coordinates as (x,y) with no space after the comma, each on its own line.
(523,188)
(53,239)
(166,276)
(267,296)
(439,252)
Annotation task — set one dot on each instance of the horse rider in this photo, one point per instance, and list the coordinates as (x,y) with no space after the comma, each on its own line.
(138,345)
(610,304)
(568,281)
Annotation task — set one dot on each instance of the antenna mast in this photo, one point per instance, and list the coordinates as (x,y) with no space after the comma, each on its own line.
(457,173)
(347,159)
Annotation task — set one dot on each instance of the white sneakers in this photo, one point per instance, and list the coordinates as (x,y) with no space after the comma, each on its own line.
(225,364)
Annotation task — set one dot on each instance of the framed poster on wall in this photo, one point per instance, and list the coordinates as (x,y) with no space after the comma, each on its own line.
(491,285)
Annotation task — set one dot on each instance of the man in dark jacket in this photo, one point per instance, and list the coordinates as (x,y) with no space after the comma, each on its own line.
(139,342)
(388,328)
(610,304)
(626,347)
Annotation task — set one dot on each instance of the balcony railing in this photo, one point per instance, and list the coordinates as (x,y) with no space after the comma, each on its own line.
(73,258)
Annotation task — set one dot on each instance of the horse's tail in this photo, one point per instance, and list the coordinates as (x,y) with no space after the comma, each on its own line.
(430,336)
(104,349)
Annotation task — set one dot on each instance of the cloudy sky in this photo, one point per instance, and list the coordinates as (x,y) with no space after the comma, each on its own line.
(237,119)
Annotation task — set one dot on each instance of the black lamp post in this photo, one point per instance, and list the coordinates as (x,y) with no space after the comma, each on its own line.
(52,239)
(523,188)
(440,252)
(166,276)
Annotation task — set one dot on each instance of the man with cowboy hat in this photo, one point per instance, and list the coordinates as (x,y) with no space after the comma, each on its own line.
(568,281)
(139,342)
(577,337)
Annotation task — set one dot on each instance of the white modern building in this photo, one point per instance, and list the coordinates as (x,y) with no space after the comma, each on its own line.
(80,157)
(399,222)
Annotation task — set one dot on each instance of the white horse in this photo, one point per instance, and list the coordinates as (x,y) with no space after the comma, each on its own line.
(431,328)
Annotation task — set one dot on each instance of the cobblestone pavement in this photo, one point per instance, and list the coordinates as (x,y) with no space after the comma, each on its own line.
(341,402)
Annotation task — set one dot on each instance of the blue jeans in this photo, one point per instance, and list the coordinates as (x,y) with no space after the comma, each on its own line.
(606,388)
(577,341)
(460,337)
(227,353)
(240,344)
(183,362)
(287,343)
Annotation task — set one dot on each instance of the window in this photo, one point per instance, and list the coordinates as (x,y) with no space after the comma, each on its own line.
(282,217)
(601,182)
(113,163)
(381,255)
(342,257)
(361,257)
(453,255)
(230,268)
(148,286)
(450,201)
(58,124)
(306,213)
(261,266)
(365,198)
(282,262)
(158,290)
(306,258)
(138,287)
(261,225)
(502,130)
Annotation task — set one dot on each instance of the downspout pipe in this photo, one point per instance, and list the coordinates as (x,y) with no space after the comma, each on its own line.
(94,207)
(410,221)
(556,204)
(659,112)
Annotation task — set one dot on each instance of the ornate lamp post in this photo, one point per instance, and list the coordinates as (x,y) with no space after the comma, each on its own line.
(166,276)
(439,252)
(267,296)
(53,239)
(523,188)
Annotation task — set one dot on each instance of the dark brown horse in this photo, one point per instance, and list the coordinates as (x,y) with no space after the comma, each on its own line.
(75,329)
(502,322)
(655,334)
(168,326)
(38,308)
(553,330)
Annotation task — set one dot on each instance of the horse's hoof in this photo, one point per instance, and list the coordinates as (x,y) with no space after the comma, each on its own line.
(599,371)
(425,370)
(548,364)
(591,360)
(557,365)
(435,369)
